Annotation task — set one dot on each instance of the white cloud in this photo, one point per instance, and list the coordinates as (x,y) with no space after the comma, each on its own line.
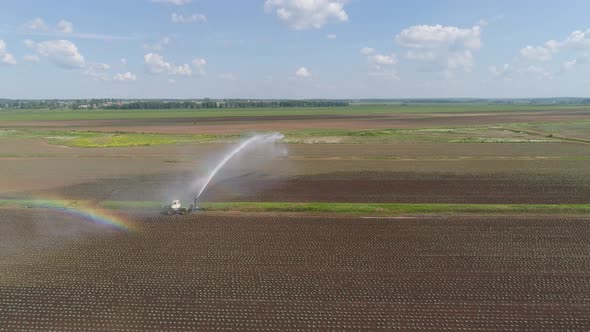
(483,22)
(5,57)
(158,45)
(125,77)
(8,59)
(382,59)
(64,26)
(306,14)
(37,24)
(31,58)
(444,47)
(508,71)
(65,29)
(156,64)
(504,71)
(183,70)
(173,2)
(331,36)
(98,66)
(581,60)
(199,65)
(536,53)
(178,18)
(380,65)
(97,71)
(303,72)
(171,81)
(367,50)
(569,65)
(577,40)
(438,36)
(62,53)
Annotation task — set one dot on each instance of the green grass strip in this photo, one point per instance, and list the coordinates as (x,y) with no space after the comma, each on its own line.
(350,208)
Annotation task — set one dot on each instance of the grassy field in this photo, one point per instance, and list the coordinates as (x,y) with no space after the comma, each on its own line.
(348,208)
(472,134)
(59,115)
(91,139)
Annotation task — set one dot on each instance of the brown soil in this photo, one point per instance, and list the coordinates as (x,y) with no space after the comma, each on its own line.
(409,173)
(237,124)
(373,187)
(244,273)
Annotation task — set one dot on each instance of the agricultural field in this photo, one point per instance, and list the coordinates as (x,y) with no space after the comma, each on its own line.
(388,217)
(289,272)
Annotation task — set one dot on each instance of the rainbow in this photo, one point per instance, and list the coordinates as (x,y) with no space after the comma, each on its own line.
(87,212)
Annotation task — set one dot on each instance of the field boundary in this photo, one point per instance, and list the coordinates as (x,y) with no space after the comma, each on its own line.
(345,208)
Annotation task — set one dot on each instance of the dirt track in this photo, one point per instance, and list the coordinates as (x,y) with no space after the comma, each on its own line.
(294,273)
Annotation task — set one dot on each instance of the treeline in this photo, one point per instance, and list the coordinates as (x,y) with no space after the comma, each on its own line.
(208,104)
(485,101)
(33,104)
(131,104)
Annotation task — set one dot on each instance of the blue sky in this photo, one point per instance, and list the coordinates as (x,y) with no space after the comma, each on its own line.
(293,49)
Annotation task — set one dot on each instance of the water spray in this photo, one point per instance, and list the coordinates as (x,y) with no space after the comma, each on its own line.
(259,138)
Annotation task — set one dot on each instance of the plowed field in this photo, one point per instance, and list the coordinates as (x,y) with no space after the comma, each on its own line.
(270,272)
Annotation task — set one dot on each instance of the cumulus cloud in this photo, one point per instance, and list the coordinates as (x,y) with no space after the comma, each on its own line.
(382,59)
(303,72)
(65,29)
(199,65)
(442,47)
(576,43)
(158,45)
(64,26)
(380,65)
(536,53)
(97,71)
(367,50)
(570,64)
(577,40)
(5,57)
(62,53)
(173,2)
(37,24)
(125,77)
(194,18)
(98,66)
(504,71)
(307,14)
(156,64)
(509,71)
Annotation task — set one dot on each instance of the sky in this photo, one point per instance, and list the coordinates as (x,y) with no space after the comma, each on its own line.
(294,49)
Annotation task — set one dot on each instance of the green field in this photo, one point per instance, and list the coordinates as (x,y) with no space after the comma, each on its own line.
(347,208)
(509,133)
(59,115)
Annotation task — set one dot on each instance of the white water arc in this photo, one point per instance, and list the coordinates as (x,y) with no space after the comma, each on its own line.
(256,138)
